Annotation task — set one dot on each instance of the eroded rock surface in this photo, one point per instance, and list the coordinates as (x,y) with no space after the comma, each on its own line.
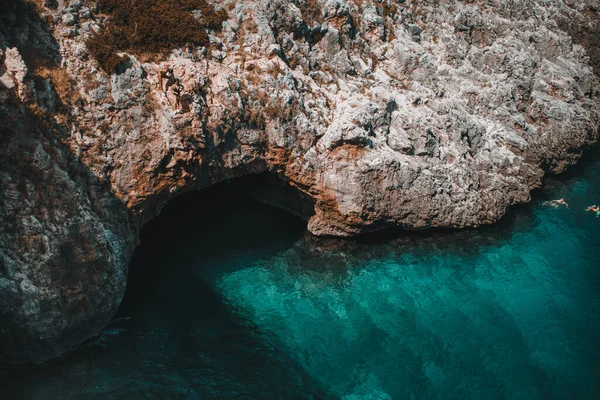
(409,113)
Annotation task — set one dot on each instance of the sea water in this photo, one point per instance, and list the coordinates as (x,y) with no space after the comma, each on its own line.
(229,299)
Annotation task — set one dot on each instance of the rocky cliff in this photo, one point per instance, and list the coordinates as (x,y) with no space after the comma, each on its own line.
(415,113)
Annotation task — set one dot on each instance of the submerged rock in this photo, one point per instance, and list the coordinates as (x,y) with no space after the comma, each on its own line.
(415,114)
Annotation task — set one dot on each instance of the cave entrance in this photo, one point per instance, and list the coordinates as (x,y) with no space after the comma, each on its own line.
(214,230)
(176,335)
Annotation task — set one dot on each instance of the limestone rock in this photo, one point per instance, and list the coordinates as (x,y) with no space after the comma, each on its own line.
(379,113)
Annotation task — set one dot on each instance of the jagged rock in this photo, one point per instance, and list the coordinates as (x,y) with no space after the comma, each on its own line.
(69,19)
(412,113)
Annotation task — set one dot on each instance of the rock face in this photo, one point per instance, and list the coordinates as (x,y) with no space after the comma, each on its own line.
(378,113)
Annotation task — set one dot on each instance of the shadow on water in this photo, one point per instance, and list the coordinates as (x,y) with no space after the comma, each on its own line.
(336,255)
(177,336)
(505,311)
(217,225)
(174,335)
(223,228)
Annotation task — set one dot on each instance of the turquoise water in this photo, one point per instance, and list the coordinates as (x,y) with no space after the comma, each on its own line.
(241,303)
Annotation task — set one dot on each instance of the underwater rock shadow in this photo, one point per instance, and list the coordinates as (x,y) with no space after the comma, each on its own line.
(173,323)
(337,254)
(220,225)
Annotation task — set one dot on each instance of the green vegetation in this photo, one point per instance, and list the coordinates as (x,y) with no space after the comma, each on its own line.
(151,27)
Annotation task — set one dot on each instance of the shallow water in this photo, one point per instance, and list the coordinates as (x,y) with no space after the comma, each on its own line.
(240,303)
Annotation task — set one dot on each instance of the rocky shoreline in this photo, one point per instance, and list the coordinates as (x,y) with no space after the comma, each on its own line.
(367,114)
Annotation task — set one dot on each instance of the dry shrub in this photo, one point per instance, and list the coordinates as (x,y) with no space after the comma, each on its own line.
(311,11)
(375,62)
(251,26)
(274,69)
(64,85)
(151,27)
(284,112)
(104,53)
(389,10)
(253,78)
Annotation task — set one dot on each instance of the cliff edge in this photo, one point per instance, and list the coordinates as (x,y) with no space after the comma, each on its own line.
(411,113)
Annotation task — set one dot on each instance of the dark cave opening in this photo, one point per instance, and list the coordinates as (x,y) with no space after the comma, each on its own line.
(249,217)
(173,314)
(174,322)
